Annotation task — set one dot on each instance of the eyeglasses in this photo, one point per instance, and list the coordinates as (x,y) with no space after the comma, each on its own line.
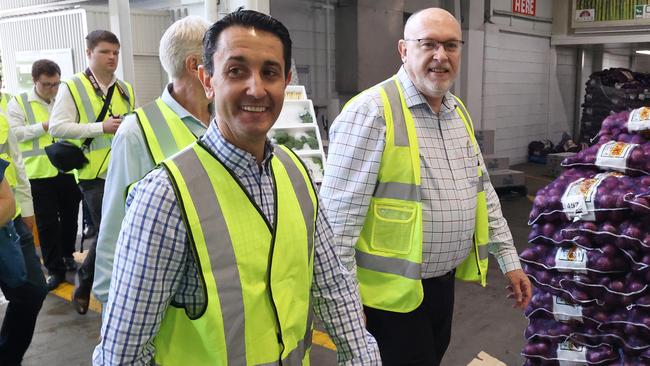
(49,85)
(426,44)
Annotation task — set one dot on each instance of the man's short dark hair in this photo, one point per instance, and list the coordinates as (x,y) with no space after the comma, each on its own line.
(93,38)
(44,66)
(247,19)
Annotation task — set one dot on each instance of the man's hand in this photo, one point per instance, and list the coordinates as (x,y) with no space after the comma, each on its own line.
(520,288)
(111,124)
(30,222)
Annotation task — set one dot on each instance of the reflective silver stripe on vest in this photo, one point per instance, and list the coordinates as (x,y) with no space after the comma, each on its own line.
(221,252)
(126,90)
(163,134)
(482,251)
(395,266)
(399,121)
(302,193)
(480,186)
(85,99)
(31,119)
(29,111)
(399,191)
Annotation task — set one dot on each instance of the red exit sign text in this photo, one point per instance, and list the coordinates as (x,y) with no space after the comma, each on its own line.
(526,7)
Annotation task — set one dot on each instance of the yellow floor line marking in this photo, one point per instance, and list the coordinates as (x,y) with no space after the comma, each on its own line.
(323,340)
(65,290)
(544,179)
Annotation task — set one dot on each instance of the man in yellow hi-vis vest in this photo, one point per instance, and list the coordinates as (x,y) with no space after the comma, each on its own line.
(153,133)
(56,195)
(26,299)
(224,252)
(409,199)
(89,109)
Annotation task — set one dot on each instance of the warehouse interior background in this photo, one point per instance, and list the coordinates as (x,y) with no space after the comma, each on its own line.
(523,79)
(523,76)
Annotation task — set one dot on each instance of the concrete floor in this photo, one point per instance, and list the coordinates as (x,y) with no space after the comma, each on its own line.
(483,318)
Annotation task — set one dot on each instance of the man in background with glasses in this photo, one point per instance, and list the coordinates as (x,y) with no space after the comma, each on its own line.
(56,195)
(407,194)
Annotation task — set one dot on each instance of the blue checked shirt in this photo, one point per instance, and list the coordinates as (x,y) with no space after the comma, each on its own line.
(153,267)
(448,166)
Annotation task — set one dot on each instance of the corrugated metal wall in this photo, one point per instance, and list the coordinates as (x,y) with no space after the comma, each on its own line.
(14,4)
(65,29)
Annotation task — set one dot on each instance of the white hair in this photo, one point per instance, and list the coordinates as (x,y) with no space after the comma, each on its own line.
(182,39)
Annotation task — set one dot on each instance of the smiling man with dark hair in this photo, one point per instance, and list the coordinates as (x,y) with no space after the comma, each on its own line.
(224,252)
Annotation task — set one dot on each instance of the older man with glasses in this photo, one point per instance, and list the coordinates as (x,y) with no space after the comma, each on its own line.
(56,195)
(409,200)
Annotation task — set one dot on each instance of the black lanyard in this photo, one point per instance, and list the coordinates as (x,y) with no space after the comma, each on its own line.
(100,93)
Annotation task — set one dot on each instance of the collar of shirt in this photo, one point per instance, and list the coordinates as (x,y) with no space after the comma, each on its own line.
(234,158)
(195,125)
(32,96)
(414,97)
(101,85)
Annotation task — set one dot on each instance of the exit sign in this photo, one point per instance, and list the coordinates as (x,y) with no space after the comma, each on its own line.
(526,7)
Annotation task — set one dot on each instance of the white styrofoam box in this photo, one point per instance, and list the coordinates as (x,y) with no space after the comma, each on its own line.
(507,178)
(295,92)
(553,162)
(494,162)
(296,113)
(315,162)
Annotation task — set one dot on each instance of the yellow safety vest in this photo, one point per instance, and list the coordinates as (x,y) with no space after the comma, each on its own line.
(37,164)
(10,172)
(389,249)
(256,276)
(4,99)
(163,130)
(89,105)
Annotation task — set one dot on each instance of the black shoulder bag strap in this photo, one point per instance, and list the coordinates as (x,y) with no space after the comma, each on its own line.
(107,103)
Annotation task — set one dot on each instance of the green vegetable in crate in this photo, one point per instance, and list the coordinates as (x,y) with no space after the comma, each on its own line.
(318,161)
(281,137)
(305,117)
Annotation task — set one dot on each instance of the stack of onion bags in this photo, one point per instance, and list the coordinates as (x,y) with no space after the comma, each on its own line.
(589,259)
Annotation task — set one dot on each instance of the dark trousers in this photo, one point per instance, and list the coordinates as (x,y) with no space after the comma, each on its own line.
(93,194)
(418,338)
(56,206)
(24,303)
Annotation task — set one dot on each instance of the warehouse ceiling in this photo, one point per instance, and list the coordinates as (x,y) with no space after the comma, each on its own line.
(621,49)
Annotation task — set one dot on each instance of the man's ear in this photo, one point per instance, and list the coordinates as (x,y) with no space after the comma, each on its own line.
(401,48)
(88,52)
(206,79)
(192,64)
(289,75)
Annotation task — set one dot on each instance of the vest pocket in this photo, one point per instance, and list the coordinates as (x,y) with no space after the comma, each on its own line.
(392,227)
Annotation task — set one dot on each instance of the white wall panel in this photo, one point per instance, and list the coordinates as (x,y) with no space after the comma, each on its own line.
(150,79)
(641,63)
(65,29)
(611,60)
(516,91)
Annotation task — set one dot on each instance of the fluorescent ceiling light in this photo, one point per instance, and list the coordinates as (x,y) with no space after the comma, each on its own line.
(643,52)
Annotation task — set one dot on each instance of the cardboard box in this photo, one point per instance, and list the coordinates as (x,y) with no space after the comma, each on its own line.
(554,161)
(507,178)
(485,139)
(493,162)
(484,359)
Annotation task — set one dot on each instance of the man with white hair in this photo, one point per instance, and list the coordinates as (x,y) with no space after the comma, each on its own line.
(409,199)
(154,132)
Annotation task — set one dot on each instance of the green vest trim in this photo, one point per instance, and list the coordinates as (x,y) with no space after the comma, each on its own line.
(260,312)
(163,130)
(89,104)
(37,164)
